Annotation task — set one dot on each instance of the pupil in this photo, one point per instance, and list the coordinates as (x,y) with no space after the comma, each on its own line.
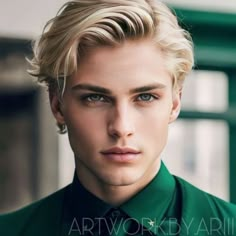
(145,96)
(95,97)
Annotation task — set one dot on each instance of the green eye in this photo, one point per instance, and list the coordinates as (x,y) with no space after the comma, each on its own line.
(95,98)
(146,97)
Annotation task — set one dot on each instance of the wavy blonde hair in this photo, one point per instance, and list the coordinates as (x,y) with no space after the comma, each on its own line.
(81,25)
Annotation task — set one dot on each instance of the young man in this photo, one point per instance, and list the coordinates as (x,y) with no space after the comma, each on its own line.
(115,71)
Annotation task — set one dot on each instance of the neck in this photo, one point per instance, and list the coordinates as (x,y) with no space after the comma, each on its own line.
(115,194)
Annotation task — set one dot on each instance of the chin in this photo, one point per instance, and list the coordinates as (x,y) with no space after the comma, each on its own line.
(122,179)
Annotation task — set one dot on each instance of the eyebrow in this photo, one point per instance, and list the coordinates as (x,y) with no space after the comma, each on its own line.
(148,88)
(93,88)
(106,91)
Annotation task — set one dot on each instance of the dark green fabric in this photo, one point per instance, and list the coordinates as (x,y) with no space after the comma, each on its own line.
(151,205)
(178,209)
(141,214)
(204,214)
(40,218)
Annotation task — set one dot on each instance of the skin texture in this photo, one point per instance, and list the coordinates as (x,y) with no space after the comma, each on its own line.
(134,111)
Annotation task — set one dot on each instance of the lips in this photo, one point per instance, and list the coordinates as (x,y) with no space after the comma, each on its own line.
(117,150)
(121,154)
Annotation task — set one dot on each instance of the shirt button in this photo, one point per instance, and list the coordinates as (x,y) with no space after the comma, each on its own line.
(115,214)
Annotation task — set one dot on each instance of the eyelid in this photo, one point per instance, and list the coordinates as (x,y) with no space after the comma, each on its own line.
(85,97)
(100,98)
(109,99)
(153,96)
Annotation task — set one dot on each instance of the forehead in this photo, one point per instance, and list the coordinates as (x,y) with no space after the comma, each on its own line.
(133,62)
(144,49)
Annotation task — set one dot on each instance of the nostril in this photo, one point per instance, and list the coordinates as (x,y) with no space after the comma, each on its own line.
(120,132)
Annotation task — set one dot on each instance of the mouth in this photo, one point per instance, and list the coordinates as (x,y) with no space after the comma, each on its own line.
(118,154)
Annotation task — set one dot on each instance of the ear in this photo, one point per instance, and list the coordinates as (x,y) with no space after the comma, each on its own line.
(56,108)
(176,106)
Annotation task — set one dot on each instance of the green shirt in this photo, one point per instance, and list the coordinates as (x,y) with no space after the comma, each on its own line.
(153,211)
(168,205)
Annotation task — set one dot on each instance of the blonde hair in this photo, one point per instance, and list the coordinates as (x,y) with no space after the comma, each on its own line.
(81,25)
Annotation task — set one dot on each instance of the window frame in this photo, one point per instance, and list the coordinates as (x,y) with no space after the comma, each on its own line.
(217,52)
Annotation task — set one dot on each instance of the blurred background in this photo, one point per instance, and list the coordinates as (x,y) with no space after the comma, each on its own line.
(35,161)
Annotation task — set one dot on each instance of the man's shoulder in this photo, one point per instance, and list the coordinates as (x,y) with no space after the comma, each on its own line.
(46,211)
(205,214)
(193,195)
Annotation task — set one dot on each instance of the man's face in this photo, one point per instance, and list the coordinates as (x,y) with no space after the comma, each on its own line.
(117,109)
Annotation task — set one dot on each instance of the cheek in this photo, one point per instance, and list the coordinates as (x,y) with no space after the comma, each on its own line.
(154,126)
(81,136)
(156,117)
(156,130)
(84,127)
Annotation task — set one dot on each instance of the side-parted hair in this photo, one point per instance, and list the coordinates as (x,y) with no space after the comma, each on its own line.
(82,25)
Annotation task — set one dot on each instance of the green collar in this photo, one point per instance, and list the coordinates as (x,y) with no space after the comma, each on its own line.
(149,206)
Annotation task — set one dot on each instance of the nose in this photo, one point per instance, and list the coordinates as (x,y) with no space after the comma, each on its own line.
(120,124)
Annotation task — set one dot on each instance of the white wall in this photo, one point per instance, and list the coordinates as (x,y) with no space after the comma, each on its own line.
(26,18)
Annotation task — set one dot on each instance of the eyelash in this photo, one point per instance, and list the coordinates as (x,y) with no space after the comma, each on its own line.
(102,98)
(89,98)
(151,96)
